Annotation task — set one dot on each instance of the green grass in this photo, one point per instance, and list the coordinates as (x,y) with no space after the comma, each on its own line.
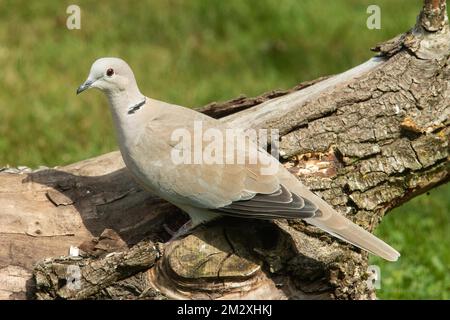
(420,230)
(193,52)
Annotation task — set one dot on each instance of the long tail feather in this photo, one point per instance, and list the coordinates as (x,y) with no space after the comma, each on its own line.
(337,225)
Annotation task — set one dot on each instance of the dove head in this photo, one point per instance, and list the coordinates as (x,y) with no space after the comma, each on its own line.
(113,76)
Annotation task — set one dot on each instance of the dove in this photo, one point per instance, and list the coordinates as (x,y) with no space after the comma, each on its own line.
(145,130)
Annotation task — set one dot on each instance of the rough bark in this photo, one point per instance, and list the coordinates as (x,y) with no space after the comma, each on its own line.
(366,140)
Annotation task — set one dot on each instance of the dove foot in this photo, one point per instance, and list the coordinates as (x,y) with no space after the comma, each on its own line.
(168,229)
(185,229)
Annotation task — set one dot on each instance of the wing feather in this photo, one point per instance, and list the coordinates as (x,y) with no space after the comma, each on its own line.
(279,204)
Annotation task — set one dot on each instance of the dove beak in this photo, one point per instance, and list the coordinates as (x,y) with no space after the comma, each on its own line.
(84,86)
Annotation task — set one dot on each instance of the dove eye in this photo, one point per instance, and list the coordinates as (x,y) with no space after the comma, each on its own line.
(109,72)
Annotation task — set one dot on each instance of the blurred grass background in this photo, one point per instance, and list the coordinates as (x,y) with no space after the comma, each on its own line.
(193,52)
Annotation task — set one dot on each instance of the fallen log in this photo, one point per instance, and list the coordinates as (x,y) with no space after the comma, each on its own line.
(366,140)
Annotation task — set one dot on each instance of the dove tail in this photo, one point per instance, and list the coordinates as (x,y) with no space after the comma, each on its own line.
(339,226)
(329,220)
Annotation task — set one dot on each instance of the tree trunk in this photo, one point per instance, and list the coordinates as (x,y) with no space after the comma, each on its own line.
(365,140)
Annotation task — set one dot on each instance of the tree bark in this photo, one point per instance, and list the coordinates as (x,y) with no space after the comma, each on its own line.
(365,140)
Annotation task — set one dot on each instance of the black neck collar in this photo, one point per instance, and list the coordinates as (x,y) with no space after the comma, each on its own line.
(135,107)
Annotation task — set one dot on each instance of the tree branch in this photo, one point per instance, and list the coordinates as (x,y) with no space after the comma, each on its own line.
(433,16)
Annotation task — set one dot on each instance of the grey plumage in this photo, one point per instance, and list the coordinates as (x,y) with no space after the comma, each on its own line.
(206,191)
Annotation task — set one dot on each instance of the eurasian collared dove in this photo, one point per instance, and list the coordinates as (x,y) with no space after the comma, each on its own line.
(205,191)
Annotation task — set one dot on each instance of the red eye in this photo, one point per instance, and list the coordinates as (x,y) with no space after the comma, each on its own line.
(109,72)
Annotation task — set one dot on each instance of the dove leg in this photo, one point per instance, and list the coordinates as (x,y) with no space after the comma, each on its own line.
(198,217)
